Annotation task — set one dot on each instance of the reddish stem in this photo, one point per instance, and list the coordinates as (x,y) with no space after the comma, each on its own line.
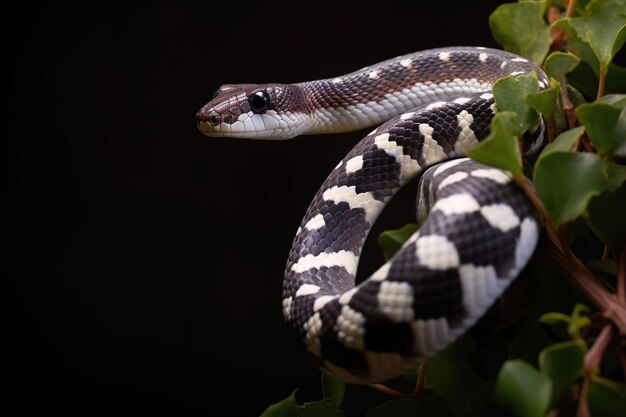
(593,358)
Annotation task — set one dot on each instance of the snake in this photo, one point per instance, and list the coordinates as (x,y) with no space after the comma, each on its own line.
(477,229)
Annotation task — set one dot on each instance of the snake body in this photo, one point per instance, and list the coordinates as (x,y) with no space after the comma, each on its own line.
(477,228)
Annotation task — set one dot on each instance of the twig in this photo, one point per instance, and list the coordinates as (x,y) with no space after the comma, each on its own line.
(566,264)
(593,358)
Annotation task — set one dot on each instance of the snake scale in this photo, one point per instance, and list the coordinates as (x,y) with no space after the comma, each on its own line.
(477,228)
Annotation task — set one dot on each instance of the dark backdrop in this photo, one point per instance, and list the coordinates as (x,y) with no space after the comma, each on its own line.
(145,260)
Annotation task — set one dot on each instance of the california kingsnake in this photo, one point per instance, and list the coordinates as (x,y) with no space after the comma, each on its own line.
(478,230)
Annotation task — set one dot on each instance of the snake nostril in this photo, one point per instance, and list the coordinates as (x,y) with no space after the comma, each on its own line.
(209,116)
(214,119)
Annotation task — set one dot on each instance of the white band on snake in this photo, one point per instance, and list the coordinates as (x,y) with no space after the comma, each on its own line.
(477,228)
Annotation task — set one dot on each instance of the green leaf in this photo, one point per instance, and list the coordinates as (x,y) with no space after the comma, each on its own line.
(566,182)
(521,29)
(562,143)
(390,241)
(333,389)
(602,28)
(424,406)
(605,124)
(606,398)
(501,149)
(615,100)
(575,96)
(563,364)
(523,389)
(510,94)
(289,408)
(554,318)
(545,102)
(560,63)
(606,217)
(468,392)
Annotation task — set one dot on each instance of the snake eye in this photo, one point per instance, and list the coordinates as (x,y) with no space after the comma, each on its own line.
(259,102)
(217,93)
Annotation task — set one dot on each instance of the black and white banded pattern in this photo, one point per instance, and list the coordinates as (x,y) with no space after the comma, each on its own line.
(478,229)
(480,232)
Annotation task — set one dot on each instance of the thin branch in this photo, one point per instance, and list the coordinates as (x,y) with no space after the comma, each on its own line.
(567,265)
(593,357)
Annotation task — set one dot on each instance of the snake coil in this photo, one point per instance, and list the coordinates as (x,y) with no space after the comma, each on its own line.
(477,228)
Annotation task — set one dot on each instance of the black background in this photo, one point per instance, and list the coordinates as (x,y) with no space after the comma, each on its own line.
(145,259)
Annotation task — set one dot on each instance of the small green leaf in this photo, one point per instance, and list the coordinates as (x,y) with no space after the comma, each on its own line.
(554,318)
(563,143)
(575,96)
(605,124)
(510,93)
(560,63)
(606,398)
(501,149)
(566,182)
(390,241)
(603,28)
(289,408)
(606,217)
(524,390)
(545,101)
(333,389)
(424,406)
(563,364)
(520,28)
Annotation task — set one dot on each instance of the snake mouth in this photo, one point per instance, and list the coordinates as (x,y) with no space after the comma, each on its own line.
(269,125)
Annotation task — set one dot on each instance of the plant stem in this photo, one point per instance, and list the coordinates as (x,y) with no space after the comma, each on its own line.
(578,275)
(593,358)
(567,264)
(571,5)
(601,80)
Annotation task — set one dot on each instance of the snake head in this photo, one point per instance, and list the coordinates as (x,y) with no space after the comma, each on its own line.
(256,111)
